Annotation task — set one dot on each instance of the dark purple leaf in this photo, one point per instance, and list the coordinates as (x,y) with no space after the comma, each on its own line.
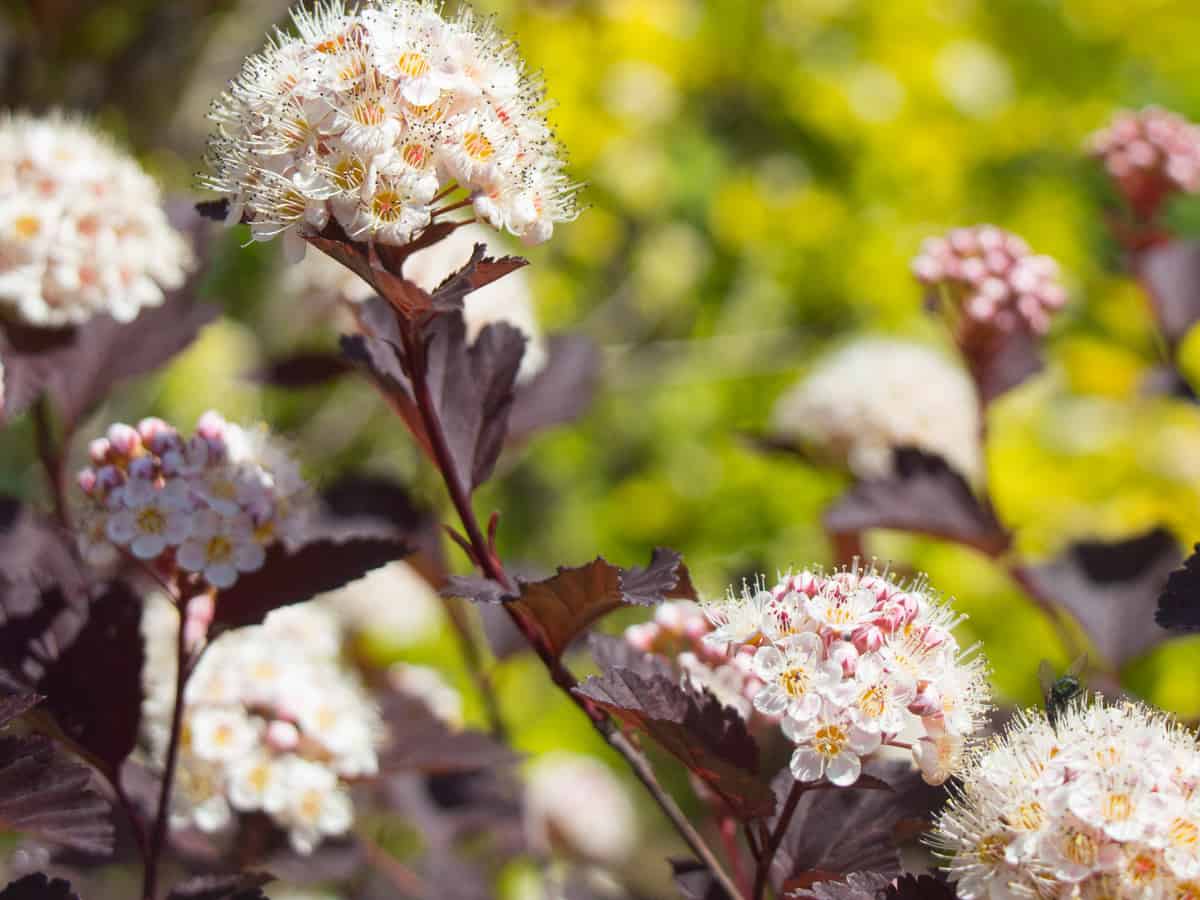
(242,886)
(924,496)
(836,831)
(38,887)
(471,388)
(100,715)
(1171,275)
(616,653)
(1179,602)
(695,881)
(50,797)
(78,367)
(705,735)
(1001,360)
(561,392)
(13,706)
(1112,590)
(418,741)
(35,555)
(305,369)
(328,560)
(479,271)
(503,637)
(562,607)
(919,887)
(216,210)
(380,502)
(855,886)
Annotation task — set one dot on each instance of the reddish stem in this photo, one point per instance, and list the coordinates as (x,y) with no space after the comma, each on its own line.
(491,566)
(776,838)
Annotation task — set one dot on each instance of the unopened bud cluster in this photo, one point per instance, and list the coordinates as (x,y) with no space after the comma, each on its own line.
(993,276)
(678,631)
(1151,153)
(82,230)
(273,723)
(370,115)
(852,661)
(209,504)
(1102,804)
(877,394)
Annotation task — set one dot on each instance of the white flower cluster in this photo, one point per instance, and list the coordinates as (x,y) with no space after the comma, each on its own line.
(678,632)
(81,227)
(852,661)
(430,687)
(273,723)
(1150,152)
(393,603)
(576,807)
(372,114)
(876,394)
(994,276)
(209,504)
(1103,805)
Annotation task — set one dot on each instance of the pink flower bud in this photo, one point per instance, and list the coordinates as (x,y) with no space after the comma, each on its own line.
(844,654)
(124,439)
(86,479)
(212,427)
(197,619)
(144,468)
(98,451)
(282,736)
(642,636)
(928,701)
(867,638)
(109,477)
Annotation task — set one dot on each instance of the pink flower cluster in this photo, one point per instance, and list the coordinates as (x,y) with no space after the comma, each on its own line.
(993,276)
(1151,153)
(851,661)
(210,504)
(678,631)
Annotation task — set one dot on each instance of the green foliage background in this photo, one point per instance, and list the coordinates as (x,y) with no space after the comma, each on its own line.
(760,173)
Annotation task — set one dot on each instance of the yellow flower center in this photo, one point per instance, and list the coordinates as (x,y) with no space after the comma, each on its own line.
(414,65)
(151,520)
(1184,833)
(310,805)
(1143,869)
(478,146)
(990,849)
(1118,807)
(387,206)
(873,701)
(416,155)
(349,173)
(1028,817)
(1080,849)
(369,112)
(794,682)
(27,227)
(829,740)
(219,549)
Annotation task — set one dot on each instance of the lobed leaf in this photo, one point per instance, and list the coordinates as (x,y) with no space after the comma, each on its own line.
(418,741)
(695,881)
(837,831)
(1171,275)
(46,795)
(705,735)
(855,886)
(616,653)
(919,887)
(1000,361)
(562,607)
(242,886)
(327,560)
(924,496)
(478,271)
(1112,589)
(470,384)
(1179,601)
(38,886)
(561,392)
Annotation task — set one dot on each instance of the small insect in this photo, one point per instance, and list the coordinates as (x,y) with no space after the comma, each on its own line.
(1059,691)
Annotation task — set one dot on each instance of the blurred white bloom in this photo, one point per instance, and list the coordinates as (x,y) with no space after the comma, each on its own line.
(852,661)
(82,230)
(212,503)
(273,723)
(372,114)
(875,94)
(640,91)
(508,299)
(1103,805)
(974,77)
(393,602)
(876,394)
(576,807)
(319,273)
(428,686)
